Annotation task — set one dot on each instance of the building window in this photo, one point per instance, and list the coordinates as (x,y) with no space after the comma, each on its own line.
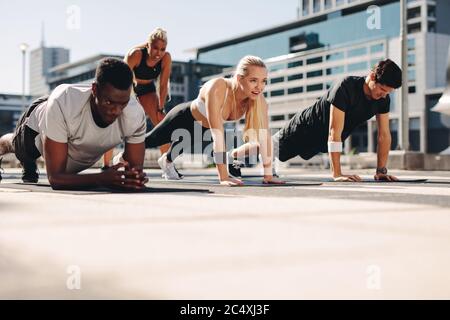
(291,115)
(313,74)
(357,66)
(431,11)
(431,26)
(340,2)
(277,117)
(357,52)
(411,75)
(295,64)
(277,93)
(413,13)
(377,48)
(295,90)
(335,70)
(328,4)
(411,59)
(305,7)
(297,76)
(316,6)
(314,60)
(314,87)
(412,89)
(335,56)
(411,43)
(415,27)
(277,80)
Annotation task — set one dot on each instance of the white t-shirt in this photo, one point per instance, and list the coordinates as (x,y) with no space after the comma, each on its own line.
(67,118)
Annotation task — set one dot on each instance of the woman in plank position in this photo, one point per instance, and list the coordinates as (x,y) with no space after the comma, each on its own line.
(220,100)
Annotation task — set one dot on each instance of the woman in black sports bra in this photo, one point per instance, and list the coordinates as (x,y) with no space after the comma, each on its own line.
(151,65)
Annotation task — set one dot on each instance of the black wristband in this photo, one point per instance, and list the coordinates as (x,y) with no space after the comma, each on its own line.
(382,170)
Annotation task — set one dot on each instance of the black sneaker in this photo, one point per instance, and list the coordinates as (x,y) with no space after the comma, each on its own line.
(179,174)
(30,173)
(234,169)
(1,169)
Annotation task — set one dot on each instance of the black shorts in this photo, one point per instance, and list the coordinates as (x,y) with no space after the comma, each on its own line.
(24,137)
(299,143)
(143,89)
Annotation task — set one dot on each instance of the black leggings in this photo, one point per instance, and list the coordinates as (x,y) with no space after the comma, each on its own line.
(181,130)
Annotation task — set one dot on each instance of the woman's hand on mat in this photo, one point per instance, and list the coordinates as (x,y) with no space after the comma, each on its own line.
(384,177)
(123,179)
(272,180)
(347,178)
(231,182)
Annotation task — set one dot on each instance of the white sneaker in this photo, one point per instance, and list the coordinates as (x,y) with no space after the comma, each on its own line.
(118,158)
(168,168)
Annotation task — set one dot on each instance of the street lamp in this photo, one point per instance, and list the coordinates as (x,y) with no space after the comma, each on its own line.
(23,47)
(404,113)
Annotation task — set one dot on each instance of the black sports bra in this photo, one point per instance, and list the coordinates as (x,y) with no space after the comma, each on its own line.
(143,71)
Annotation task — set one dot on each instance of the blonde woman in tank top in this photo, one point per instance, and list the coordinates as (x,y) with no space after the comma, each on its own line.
(221,100)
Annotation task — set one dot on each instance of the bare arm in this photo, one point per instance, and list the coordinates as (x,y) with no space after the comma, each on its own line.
(337,120)
(134,154)
(265,142)
(132,59)
(164,79)
(383,146)
(56,153)
(213,100)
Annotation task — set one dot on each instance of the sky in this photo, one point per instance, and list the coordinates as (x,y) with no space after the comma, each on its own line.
(91,27)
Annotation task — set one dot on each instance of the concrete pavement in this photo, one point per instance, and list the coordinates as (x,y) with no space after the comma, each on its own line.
(334,240)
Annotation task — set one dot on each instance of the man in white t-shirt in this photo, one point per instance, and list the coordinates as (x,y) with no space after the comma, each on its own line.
(74,126)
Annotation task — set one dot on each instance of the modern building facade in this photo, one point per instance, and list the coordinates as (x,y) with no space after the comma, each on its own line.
(11,107)
(41,60)
(335,38)
(185,79)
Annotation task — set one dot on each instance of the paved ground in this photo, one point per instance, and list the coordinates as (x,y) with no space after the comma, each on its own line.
(334,240)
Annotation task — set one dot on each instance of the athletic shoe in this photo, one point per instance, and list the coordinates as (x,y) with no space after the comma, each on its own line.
(234,169)
(118,158)
(30,173)
(274,172)
(168,168)
(179,174)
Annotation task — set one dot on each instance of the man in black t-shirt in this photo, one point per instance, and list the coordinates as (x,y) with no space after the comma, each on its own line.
(350,102)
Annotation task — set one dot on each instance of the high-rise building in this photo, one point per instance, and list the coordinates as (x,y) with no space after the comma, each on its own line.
(41,60)
(335,38)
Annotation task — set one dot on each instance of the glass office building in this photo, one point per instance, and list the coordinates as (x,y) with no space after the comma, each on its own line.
(332,39)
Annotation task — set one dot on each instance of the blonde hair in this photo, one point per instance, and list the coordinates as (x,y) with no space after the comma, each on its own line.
(254,116)
(157,34)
